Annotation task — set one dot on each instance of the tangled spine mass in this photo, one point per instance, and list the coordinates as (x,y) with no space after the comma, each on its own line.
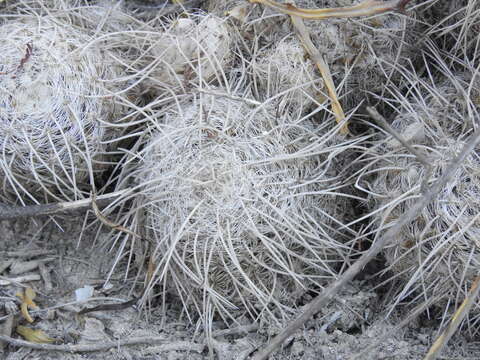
(241,206)
(52,102)
(436,256)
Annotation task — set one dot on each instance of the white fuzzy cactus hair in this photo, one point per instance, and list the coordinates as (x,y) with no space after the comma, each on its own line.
(188,50)
(53,106)
(283,75)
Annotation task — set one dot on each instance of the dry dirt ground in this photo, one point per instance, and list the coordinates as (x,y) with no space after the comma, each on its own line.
(70,258)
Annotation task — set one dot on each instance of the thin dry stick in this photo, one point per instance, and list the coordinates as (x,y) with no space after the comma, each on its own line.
(366,8)
(457,318)
(18,280)
(243,329)
(329,292)
(380,120)
(322,66)
(26,253)
(165,345)
(15,212)
(175,346)
(164,9)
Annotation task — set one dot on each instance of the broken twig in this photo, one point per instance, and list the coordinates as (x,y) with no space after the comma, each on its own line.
(164,345)
(322,66)
(18,280)
(109,223)
(244,329)
(380,120)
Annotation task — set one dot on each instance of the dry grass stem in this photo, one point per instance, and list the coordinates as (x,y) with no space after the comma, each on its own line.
(21,267)
(455,322)
(164,345)
(18,280)
(239,330)
(322,66)
(366,8)
(107,222)
(386,126)
(26,253)
(165,9)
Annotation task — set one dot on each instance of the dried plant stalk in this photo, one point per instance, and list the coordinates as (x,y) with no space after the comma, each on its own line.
(457,319)
(16,212)
(366,8)
(322,66)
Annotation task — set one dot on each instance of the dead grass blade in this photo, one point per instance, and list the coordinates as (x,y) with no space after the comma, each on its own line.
(366,8)
(163,345)
(107,222)
(457,318)
(322,66)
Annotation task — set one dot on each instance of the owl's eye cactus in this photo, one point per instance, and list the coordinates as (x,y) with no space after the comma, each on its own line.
(436,255)
(240,205)
(53,103)
(191,50)
(284,76)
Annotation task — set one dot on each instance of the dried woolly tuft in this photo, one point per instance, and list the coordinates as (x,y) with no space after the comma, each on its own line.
(436,256)
(53,100)
(285,74)
(245,208)
(190,50)
(105,16)
(222,7)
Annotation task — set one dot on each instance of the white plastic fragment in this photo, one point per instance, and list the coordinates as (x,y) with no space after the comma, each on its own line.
(84,293)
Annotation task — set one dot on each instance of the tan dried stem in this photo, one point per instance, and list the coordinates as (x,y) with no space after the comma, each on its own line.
(457,319)
(366,8)
(322,66)
(163,345)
